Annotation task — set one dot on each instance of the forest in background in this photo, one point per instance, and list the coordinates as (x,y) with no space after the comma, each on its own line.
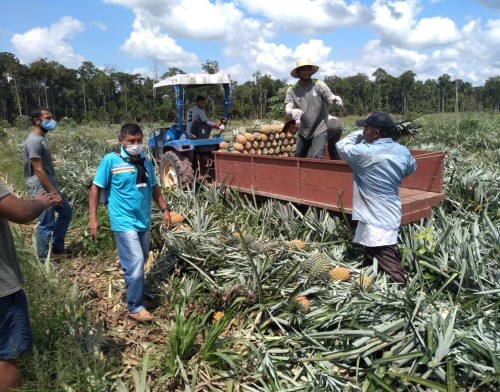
(111,96)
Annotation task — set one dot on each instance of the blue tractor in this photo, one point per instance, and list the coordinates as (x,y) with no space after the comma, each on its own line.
(178,155)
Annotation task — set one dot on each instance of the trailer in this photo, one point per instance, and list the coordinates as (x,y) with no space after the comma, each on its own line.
(327,183)
(321,183)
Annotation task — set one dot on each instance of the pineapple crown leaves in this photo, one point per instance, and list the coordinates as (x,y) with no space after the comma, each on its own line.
(408,126)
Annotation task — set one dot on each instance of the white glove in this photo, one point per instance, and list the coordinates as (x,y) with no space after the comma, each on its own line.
(221,127)
(337,100)
(297,114)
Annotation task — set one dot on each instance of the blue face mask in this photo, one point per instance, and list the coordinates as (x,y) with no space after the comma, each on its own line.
(48,125)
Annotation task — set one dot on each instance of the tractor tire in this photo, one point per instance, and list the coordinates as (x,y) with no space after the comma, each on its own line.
(176,171)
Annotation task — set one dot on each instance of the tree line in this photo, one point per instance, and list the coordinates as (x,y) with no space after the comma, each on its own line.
(111,96)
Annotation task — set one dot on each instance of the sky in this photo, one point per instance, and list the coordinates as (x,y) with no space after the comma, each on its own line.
(343,37)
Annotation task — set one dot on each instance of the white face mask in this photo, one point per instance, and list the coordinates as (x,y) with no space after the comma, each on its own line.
(134,149)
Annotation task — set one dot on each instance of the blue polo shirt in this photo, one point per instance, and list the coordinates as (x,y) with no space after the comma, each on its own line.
(129,206)
(379,168)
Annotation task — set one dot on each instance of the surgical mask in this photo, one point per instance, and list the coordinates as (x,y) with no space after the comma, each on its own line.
(48,125)
(134,149)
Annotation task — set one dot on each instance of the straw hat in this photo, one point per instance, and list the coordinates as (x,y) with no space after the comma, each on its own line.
(302,63)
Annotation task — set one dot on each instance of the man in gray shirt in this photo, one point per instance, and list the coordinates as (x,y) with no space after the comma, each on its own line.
(39,176)
(198,125)
(306,102)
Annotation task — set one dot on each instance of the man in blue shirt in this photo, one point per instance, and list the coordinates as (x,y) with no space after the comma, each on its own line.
(379,165)
(130,183)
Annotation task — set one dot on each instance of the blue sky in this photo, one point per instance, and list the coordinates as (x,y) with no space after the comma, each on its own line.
(344,37)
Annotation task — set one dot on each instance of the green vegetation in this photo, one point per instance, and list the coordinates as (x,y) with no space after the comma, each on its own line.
(90,95)
(224,284)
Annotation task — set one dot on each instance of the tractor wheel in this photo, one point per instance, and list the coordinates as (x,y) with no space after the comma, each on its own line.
(175,171)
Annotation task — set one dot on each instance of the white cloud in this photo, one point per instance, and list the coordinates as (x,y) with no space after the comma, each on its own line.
(51,43)
(269,36)
(149,42)
(308,15)
(395,22)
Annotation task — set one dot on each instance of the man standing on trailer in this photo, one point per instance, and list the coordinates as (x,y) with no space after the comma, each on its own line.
(306,101)
(379,165)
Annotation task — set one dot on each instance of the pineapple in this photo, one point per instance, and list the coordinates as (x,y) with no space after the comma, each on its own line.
(295,244)
(182,227)
(365,281)
(238,147)
(223,145)
(241,139)
(317,265)
(249,136)
(340,274)
(248,238)
(175,218)
(304,303)
(265,247)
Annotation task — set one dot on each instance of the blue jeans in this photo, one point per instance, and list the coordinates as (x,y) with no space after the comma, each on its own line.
(50,228)
(133,251)
(312,148)
(15,329)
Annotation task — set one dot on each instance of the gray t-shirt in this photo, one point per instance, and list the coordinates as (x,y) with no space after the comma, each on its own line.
(312,101)
(10,272)
(36,146)
(194,114)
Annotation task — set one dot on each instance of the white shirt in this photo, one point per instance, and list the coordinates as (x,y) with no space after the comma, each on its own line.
(371,236)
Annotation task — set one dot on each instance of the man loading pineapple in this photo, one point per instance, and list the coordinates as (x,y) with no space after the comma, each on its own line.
(379,165)
(306,102)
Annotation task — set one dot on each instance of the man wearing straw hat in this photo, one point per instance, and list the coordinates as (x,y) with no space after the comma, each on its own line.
(306,102)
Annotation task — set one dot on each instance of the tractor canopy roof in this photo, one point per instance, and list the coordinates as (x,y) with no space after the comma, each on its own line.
(186,80)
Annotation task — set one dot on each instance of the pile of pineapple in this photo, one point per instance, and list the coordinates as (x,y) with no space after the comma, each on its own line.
(263,139)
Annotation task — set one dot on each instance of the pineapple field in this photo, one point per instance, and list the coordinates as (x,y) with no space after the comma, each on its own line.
(252,295)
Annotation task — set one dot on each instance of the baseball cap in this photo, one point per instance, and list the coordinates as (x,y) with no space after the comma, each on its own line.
(379,120)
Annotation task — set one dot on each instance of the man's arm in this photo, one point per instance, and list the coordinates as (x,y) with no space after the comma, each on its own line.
(23,211)
(350,148)
(94,225)
(160,202)
(44,179)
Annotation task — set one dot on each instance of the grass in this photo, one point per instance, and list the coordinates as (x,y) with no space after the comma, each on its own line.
(439,334)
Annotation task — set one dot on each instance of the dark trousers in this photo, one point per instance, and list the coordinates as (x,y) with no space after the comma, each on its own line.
(389,261)
(311,148)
